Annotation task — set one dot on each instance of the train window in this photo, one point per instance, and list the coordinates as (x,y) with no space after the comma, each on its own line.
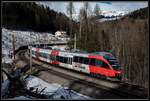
(61,59)
(52,57)
(81,59)
(105,65)
(75,59)
(44,55)
(48,56)
(99,63)
(37,54)
(57,58)
(86,61)
(92,62)
(65,59)
(40,54)
(33,52)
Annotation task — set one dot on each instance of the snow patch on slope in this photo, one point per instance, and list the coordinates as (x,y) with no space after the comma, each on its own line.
(54,90)
(24,38)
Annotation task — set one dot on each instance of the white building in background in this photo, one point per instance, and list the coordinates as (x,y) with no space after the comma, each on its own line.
(60,34)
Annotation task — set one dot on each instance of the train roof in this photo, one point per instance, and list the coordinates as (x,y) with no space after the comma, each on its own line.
(84,52)
(102,53)
(81,52)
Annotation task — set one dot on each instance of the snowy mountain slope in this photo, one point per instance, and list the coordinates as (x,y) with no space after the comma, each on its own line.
(54,90)
(113,13)
(107,15)
(24,38)
(108,19)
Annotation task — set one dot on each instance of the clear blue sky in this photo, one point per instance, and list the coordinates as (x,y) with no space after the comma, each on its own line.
(129,6)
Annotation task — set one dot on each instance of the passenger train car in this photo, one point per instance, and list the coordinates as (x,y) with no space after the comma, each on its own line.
(96,64)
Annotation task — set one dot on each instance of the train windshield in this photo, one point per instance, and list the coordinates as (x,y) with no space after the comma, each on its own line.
(113,61)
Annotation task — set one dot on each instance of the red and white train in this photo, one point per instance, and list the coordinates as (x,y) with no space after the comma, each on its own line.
(96,64)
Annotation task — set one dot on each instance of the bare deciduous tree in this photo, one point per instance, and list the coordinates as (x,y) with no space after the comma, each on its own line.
(70,12)
(97,10)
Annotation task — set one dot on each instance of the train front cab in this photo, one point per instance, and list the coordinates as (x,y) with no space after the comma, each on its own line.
(114,64)
(101,67)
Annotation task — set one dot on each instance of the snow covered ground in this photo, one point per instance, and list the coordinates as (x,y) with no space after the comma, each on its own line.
(24,38)
(53,90)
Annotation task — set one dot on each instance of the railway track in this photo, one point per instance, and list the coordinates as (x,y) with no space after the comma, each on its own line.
(114,88)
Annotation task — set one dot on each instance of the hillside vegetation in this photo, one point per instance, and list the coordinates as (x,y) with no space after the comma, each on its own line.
(31,16)
(141,14)
(126,38)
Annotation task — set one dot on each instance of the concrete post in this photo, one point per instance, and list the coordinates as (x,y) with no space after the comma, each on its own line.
(75,41)
(30,58)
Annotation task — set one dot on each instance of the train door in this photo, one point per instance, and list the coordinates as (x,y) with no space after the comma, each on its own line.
(81,64)
(65,60)
(33,52)
(70,62)
(37,53)
(47,56)
(53,56)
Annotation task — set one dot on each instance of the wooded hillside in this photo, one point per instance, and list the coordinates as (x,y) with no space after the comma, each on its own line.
(127,38)
(31,16)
